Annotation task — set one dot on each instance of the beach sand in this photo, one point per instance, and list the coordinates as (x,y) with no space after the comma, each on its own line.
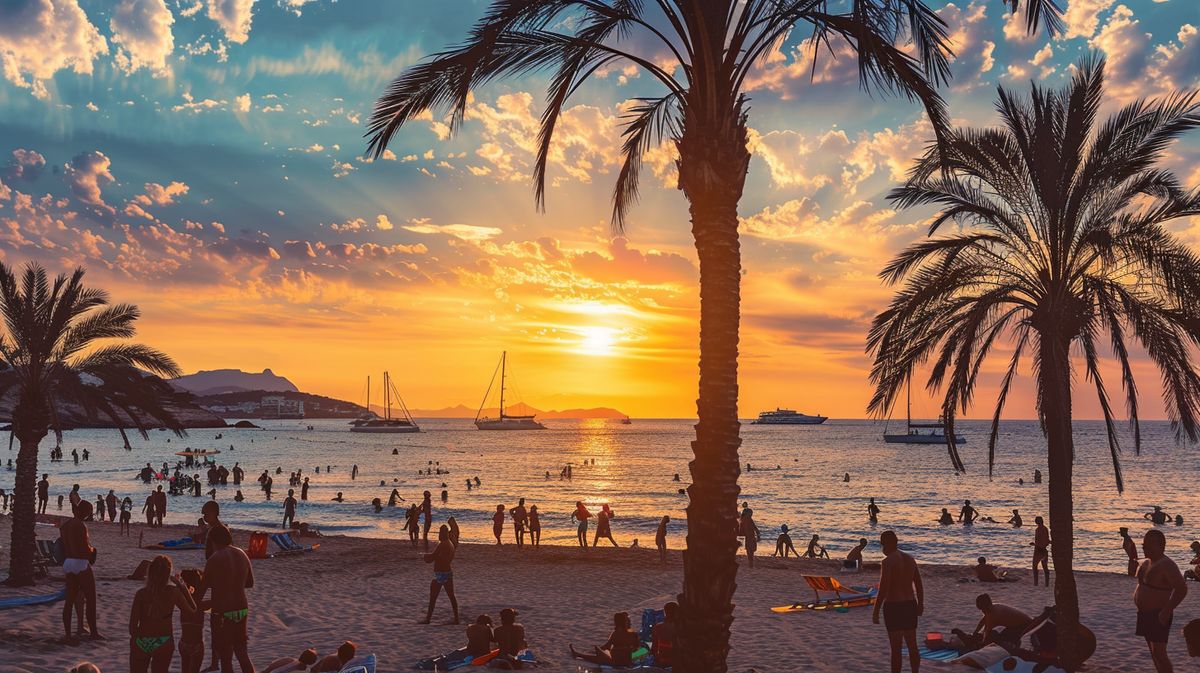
(373,592)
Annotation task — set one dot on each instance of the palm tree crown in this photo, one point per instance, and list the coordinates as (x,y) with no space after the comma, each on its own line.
(1062,237)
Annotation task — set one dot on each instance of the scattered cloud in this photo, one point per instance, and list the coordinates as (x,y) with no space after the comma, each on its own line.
(141,35)
(38,38)
(465,232)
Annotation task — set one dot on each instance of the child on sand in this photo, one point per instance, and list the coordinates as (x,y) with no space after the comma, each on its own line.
(783,544)
(815,550)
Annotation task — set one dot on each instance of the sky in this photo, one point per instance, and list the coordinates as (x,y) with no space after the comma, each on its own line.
(204,160)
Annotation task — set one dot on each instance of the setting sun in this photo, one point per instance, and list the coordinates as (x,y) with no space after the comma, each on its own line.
(597,340)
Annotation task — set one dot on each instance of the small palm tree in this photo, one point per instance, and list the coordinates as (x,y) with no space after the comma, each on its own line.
(1062,245)
(53,358)
(701,54)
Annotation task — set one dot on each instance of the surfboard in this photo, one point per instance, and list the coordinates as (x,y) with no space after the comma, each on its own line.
(847,601)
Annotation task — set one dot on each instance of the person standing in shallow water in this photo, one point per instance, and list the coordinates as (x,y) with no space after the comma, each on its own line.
(873,512)
(519,519)
(604,526)
(498,523)
(535,527)
(1041,549)
(902,601)
(427,515)
(442,557)
(581,515)
(749,531)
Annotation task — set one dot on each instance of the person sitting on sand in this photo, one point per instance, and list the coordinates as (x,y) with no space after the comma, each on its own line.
(443,575)
(1041,549)
(946,518)
(581,515)
(1016,519)
(1158,517)
(748,530)
(986,572)
(1130,548)
(815,550)
(337,661)
(510,636)
(151,628)
(783,544)
(968,514)
(618,649)
(479,636)
(662,636)
(1160,589)
(1000,623)
(288,664)
(854,559)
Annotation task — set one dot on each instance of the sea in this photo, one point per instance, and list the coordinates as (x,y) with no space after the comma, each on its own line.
(797,479)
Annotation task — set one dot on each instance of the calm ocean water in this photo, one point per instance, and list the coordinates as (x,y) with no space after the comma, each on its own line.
(634,466)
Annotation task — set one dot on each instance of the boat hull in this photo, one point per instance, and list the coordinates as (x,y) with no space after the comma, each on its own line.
(386,431)
(809,420)
(921,439)
(509,425)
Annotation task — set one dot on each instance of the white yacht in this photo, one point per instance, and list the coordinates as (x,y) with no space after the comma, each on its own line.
(372,423)
(504,421)
(788,417)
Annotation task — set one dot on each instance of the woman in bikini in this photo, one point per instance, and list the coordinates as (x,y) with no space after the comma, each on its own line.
(151,628)
(581,515)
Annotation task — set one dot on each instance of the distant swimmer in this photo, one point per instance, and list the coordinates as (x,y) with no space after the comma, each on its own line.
(846,479)
(1037,476)
(815,550)
(377,504)
(1131,551)
(946,519)
(1178,519)
(354,473)
(873,511)
(1016,519)
(854,559)
(477,481)
(1158,517)
(238,497)
(1041,550)
(468,484)
(676,477)
(783,544)
(394,497)
(968,514)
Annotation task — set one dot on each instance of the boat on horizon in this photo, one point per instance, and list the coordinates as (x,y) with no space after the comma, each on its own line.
(915,433)
(372,423)
(504,421)
(788,417)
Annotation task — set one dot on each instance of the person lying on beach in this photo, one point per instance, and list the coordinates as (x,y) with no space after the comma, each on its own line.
(968,514)
(946,518)
(151,628)
(985,572)
(815,550)
(1160,589)
(1000,623)
(1158,517)
(662,636)
(618,649)
(335,662)
(783,544)
(288,664)
(479,636)
(1016,519)
(443,575)
(854,559)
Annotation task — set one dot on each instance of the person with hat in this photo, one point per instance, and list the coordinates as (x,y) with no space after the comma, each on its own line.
(1130,548)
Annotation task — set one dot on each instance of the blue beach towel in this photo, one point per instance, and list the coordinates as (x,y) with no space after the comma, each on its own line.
(25,601)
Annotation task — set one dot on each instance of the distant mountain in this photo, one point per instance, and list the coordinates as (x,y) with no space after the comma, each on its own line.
(218,381)
(518,409)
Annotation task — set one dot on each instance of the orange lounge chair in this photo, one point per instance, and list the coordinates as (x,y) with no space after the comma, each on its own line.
(843,596)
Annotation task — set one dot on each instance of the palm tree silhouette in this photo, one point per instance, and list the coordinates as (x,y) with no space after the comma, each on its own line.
(53,356)
(1062,245)
(701,55)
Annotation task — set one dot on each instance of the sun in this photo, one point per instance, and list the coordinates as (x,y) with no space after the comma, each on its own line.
(598,341)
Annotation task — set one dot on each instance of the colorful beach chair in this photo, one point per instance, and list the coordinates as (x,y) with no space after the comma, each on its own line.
(287,545)
(843,596)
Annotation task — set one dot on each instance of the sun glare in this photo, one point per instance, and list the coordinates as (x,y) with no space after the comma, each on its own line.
(597,340)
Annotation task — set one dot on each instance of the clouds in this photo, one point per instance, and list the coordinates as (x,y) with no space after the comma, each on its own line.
(38,38)
(85,175)
(233,17)
(24,165)
(464,232)
(141,35)
(1083,17)
(1137,67)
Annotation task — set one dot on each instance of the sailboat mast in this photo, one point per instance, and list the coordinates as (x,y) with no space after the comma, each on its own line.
(908,393)
(387,398)
(503,360)
(368,394)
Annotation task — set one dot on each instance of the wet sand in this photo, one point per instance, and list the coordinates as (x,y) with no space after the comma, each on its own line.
(374,591)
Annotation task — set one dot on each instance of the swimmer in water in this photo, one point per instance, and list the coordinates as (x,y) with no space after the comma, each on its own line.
(846,479)
(873,511)
(238,497)
(337,498)
(377,504)
(946,518)
(1016,519)
(968,514)
(1158,517)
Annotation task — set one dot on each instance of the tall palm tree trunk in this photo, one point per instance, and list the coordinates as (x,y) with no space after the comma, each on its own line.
(712,172)
(30,426)
(1054,381)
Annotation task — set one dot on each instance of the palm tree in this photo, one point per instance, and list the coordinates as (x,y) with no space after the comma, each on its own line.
(53,357)
(1062,243)
(701,54)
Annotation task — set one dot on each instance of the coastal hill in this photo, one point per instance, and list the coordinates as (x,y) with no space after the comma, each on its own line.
(217,381)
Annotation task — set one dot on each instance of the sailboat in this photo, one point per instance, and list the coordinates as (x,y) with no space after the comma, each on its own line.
(921,433)
(505,421)
(372,423)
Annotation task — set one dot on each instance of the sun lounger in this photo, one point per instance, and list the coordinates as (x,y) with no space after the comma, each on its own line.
(843,596)
(287,545)
(26,601)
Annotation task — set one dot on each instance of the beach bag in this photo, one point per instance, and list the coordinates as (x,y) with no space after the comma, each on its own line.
(1191,633)
(257,549)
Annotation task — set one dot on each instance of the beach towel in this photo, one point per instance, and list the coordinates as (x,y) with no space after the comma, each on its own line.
(26,601)
(935,655)
(288,546)
(181,544)
(360,664)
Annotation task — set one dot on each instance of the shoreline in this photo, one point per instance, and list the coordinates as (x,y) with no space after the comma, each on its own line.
(373,591)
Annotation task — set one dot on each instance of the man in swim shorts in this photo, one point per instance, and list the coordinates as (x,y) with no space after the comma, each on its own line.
(902,600)
(228,573)
(1160,589)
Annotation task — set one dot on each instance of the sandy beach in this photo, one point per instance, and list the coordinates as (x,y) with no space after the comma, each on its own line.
(373,592)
